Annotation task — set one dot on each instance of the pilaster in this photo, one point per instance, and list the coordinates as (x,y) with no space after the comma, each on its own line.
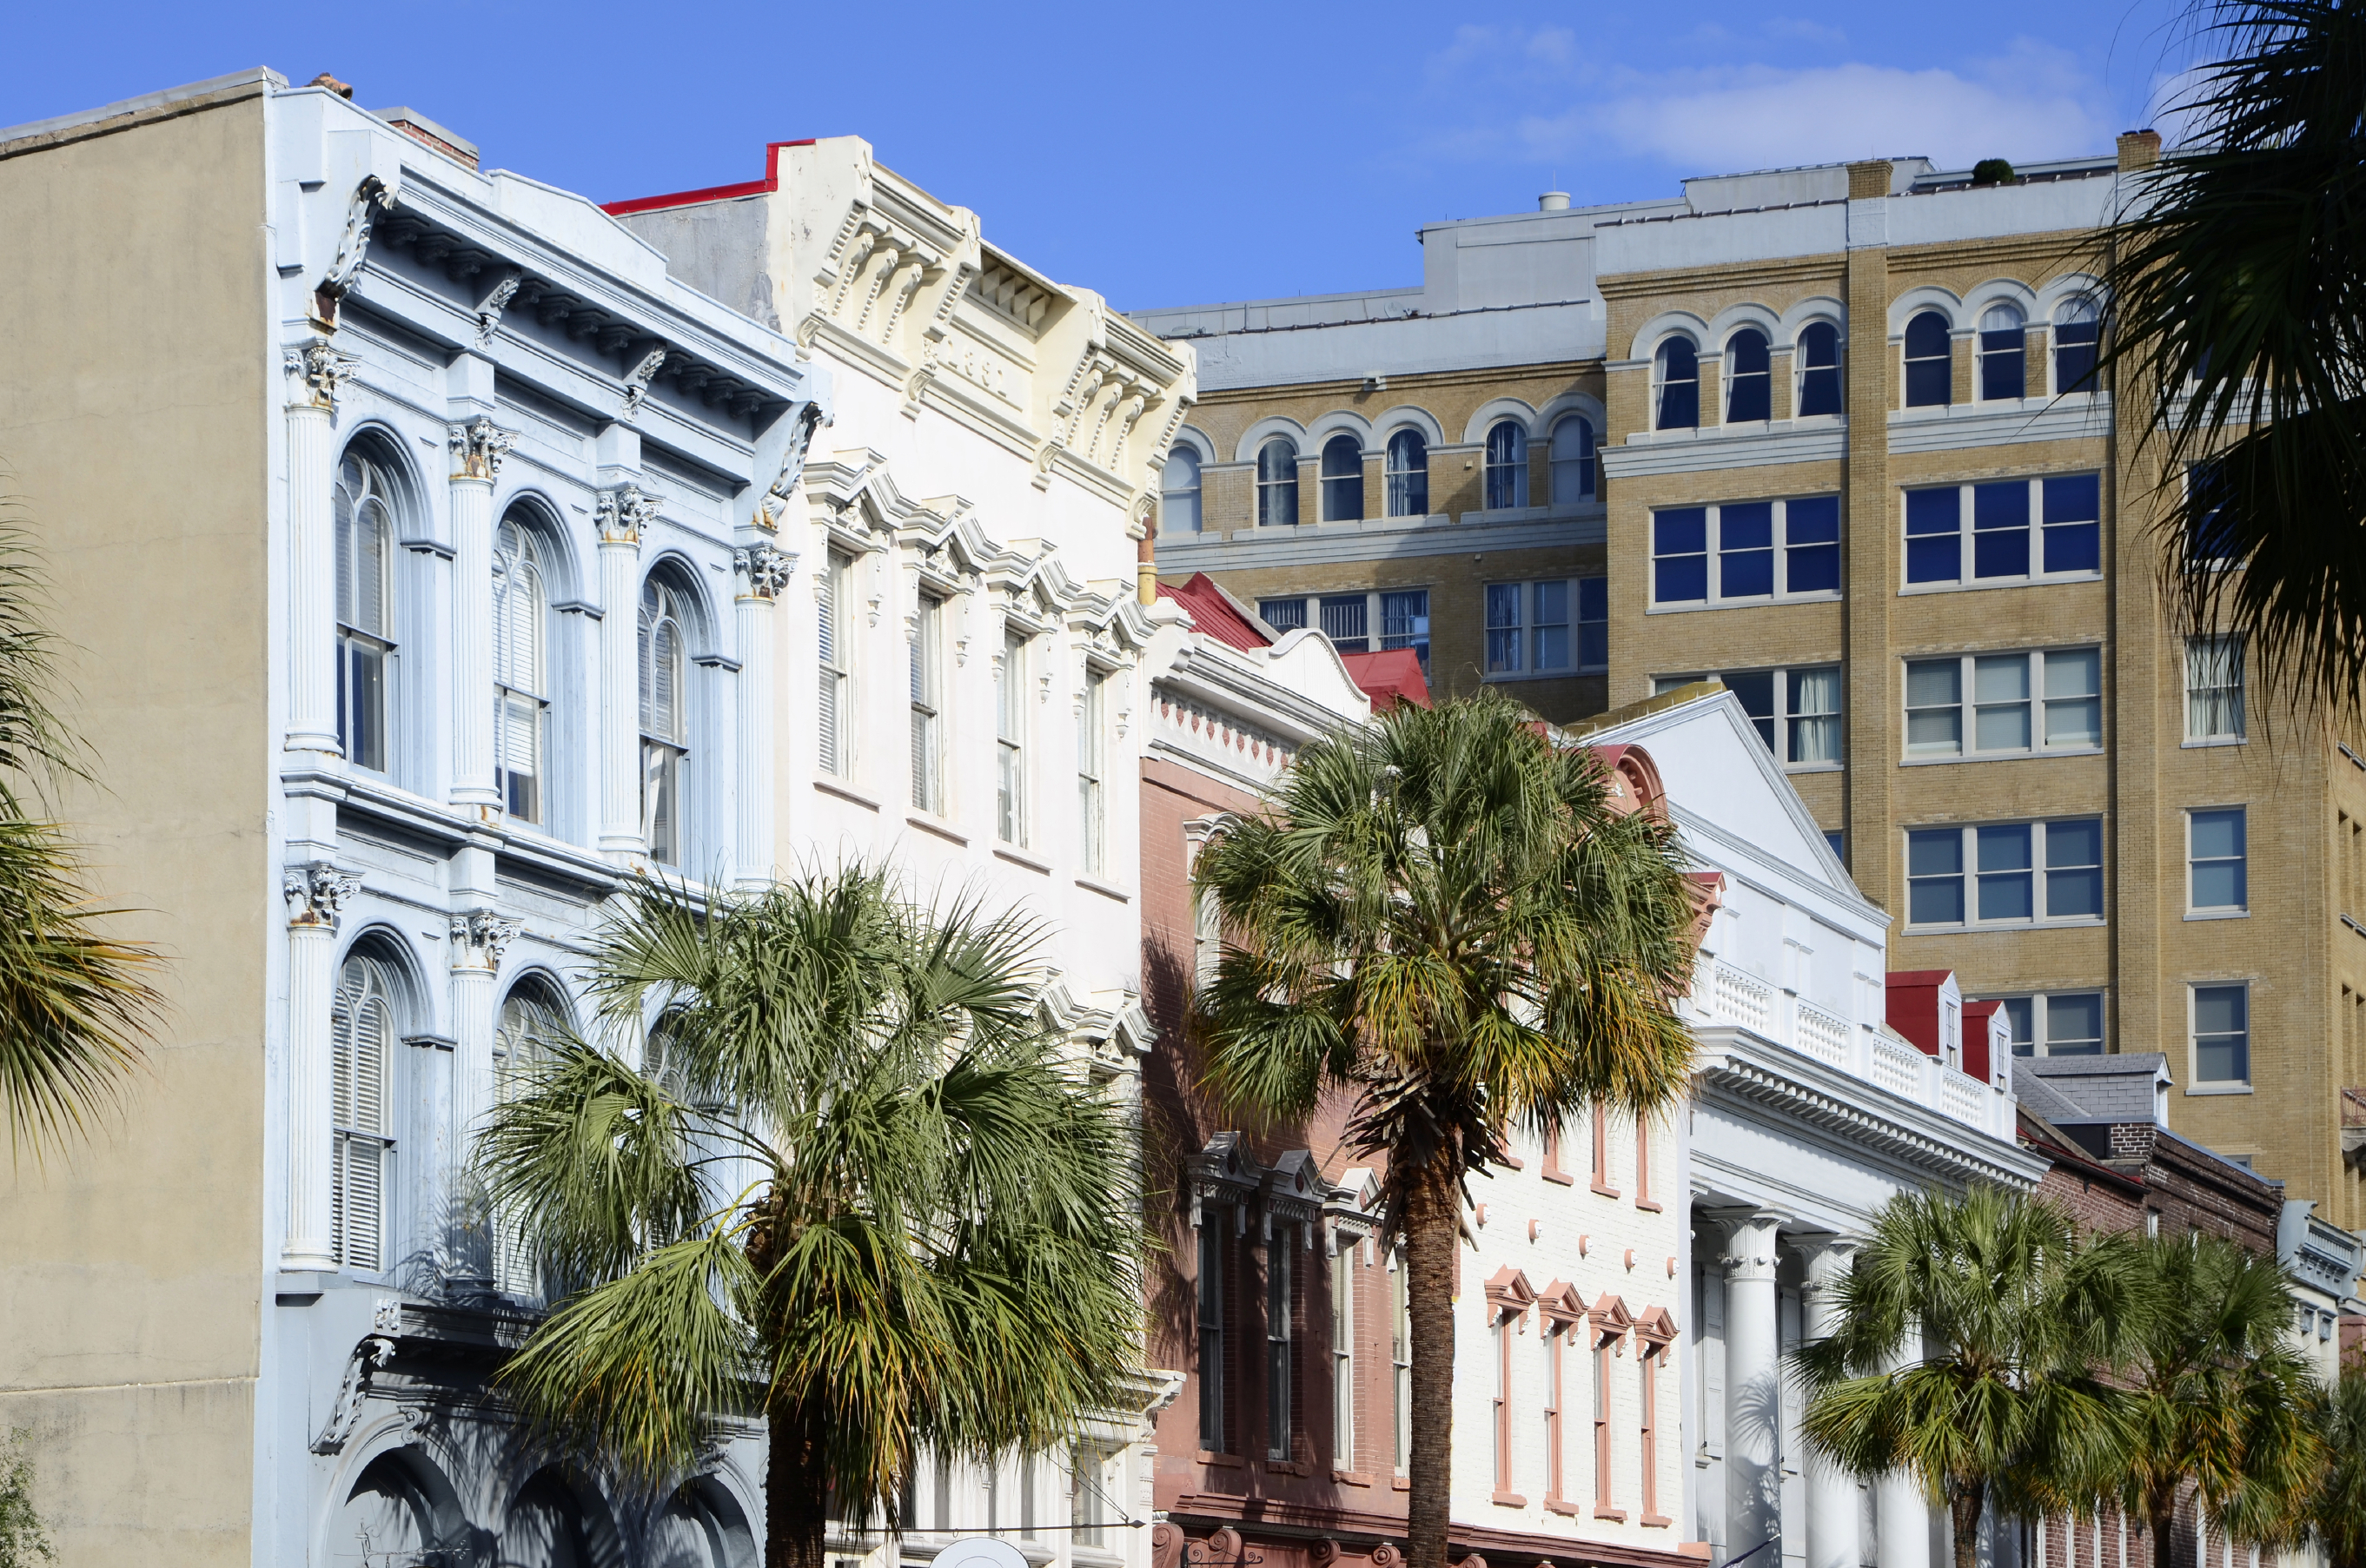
(623,510)
(317,893)
(316,376)
(1871,545)
(762,571)
(477,448)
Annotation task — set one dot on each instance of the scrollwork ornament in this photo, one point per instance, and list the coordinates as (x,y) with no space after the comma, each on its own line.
(479,937)
(478,447)
(623,512)
(317,894)
(636,385)
(319,373)
(775,504)
(766,567)
(488,309)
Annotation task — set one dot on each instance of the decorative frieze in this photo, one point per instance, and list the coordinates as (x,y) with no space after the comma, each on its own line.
(317,894)
(477,448)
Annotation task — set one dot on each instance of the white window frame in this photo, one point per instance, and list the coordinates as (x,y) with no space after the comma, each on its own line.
(522,682)
(1010,792)
(1781,716)
(666,757)
(1512,472)
(359,646)
(1281,484)
(2062,312)
(1967,530)
(833,649)
(1966,705)
(2194,1082)
(1713,526)
(363,1154)
(1982,349)
(2242,910)
(1377,637)
(1343,1352)
(2039,1041)
(1174,499)
(1968,868)
(925,649)
(1325,480)
(1092,770)
(2194,652)
(1524,598)
(1801,370)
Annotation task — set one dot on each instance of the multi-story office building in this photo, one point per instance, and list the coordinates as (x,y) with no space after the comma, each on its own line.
(1843,450)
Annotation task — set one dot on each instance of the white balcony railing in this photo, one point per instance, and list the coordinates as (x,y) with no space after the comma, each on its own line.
(1725,994)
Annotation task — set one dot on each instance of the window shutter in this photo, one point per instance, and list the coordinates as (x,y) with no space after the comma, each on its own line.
(666,692)
(826,619)
(343,507)
(365,1208)
(369,567)
(340,1114)
(649,638)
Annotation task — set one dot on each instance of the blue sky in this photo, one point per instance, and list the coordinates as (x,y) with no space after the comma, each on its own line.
(1176,154)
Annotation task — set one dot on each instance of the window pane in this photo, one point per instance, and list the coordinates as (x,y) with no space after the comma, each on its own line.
(1935,865)
(2219,1009)
(1812,520)
(1408,474)
(1680,572)
(1282,614)
(1345,621)
(2220,1033)
(1933,681)
(1746,363)
(2001,530)
(1504,628)
(2000,687)
(2217,835)
(2071,508)
(2074,708)
(1933,526)
(2074,873)
(2001,363)
(2017,1011)
(1815,716)
(1552,624)
(2219,864)
(1928,361)
(2074,1023)
(1934,717)
(1812,530)
(1745,565)
(1679,384)
(2006,889)
(1593,623)
(1756,690)
(1405,622)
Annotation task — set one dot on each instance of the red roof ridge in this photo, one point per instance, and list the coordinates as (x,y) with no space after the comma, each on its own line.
(765,187)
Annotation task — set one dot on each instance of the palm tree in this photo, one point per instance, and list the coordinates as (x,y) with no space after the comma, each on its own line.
(2216,1395)
(1442,917)
(853,1188)
(76,1005)
(2338,1508)
(2238,273)
(1973,1334)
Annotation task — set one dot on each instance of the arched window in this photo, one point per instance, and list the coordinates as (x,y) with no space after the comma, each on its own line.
(1408,474)
(1573,459)
(1676,367)
(2077,327)
(364,525)
(2001,342)
(521,671)
(361,1079)
(1178,493)
(665,721)
(1749,379)
(1343,479)
(531,1021)
(1277,483)
(1930,362)
(1819,358)
(1508,465)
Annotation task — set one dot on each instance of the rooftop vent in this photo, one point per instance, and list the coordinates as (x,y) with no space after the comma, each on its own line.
(1553,201)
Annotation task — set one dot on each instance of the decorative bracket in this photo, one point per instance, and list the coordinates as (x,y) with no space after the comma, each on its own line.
(368,1356)
(636,385)
(489,308)
(370,197)
(775,504)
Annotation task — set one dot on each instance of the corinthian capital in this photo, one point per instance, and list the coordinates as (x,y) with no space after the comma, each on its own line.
(477,448)
(623,512)
(479,936)
(766,567)
(317,374)
(317,894)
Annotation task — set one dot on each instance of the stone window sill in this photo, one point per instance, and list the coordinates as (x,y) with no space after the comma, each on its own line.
(1222,1461)
(1509,1500)
(1604,1511)
(844,791)
(1106,891)
(938,825)
(1019,857)
(1560,1505)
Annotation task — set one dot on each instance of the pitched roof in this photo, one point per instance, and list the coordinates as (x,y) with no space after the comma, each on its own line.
(1216,612)
(1388,677)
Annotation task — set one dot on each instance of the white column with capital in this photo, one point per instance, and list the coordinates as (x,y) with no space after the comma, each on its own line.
(479,938)
(315,374)
(1901,1514)
(478,447)
(762,571)
(1831,1490)
(1753,1383)
(316,894)
(622,511)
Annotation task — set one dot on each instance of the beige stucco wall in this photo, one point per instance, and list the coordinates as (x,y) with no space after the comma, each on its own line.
(134,414)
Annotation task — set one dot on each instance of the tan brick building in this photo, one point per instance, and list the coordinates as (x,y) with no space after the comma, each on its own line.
(1841,458)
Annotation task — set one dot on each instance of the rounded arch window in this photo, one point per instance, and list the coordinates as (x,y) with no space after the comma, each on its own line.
(1930,362)
(1343,479)
(1749,377)
(2002,341)
(533,1021)
(522,683)
(1676,369)
(362,1034)
(1818,356)
(665,719)
(1408,474)
(364,521)
(2077,330)
(1573,459)
(1277,483)
(1507,465)
(1178,492)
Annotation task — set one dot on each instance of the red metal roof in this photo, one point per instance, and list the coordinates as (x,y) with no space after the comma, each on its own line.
(1213,613)
(1388,677)
(771,182)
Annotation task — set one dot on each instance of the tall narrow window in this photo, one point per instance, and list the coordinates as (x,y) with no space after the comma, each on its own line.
(1602,1498)
(1749,379)
(1508,465)
(1178,493)
(832,751)
(928,719)
(665,727)
(1408,474)
(521,673)
(1647,1364)
(1505,649)
(1401,1359)
(1343,1354)
(1279,1350)
(364,526)
(1643,1199)
(1813,715)
(2003,341)
(1572,460)
(2222,1034)
(530,1023)
(1010,742)
(1277,483)
(2213,688)
(2078,327)
(1347,621)
(1676,372)
(1088,1498)
(1600,1119)
(361,1051)
(1092,770)
(1500,1346)
(1405,622)
(1819,356)
(1930,362)
(1211,1313)
(1343,479)
(2218,862)
(1554,1336)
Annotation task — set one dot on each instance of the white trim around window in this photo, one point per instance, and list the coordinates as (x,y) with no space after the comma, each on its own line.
(2067,1023)
(1981,707)
(1991,876)
(1400,616)
(1777,551)
(2218,1037)
(1541,630)
(2002,534)
(2217,863)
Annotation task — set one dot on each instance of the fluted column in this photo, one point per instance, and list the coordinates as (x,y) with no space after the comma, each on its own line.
(316,894)
(316,372)
(1831,1490)
(1901,1514)
(622,511)
(477,448)
(761,570)
(479,938)
(1753,1381)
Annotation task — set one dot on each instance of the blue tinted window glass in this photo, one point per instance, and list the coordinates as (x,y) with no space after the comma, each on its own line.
(2001,506)
(2074,547)
(2001,530)
(1815,568)
(1749,526)
(1812,520)
(1681,580)
(1746,555)
(1933,512)
(1933,521)
(1593,598)
(2075,499)
(1756,690)
(1679,532)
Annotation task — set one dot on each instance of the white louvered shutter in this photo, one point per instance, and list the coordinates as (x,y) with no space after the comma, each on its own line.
(825,617)
(365,1202)
(340,1114)
(348,478)
(369,567)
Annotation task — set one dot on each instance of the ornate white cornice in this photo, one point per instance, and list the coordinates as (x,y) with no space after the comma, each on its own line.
(477,448)
(479,936)
(317,894)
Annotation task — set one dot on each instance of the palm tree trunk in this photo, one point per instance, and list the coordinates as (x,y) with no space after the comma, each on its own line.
(1966,1520)
(796,1493)
(2164,1523)
(1433,1230)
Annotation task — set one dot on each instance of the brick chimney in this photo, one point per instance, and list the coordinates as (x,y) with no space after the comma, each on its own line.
(1869,179)
(2139,150)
